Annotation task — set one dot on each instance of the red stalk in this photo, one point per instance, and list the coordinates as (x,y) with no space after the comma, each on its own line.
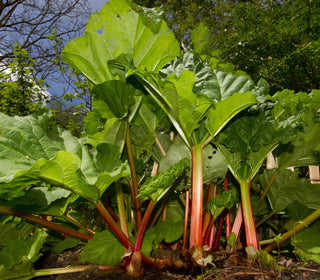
(113,226)
(45,223)
(119,234)
(197,195)
(216,242)
(145,220)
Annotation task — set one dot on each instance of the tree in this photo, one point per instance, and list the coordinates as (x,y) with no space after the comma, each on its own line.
(30,24)
(272,39)
(21,93)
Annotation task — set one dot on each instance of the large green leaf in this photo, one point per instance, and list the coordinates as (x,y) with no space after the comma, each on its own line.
(114,133)
(121,28)
(63,170)
(23,141)
(43,200)
(118,97)
(217,85)
(225,110)
(215,165)
(104,248)
(301,151)
(20,250)
(288,187)
(246,142)
(306,243)
(175,96)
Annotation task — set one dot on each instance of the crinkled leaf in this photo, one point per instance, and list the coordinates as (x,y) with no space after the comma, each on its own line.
(104,248)
(121,28)
(159,185)
(246,142)
(205,83)
(228,84)
(106,157)
(301,151)
(226,199)
(217,85)
(14,231)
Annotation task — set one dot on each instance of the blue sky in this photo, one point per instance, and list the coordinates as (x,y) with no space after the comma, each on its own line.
(57,88)
(97,4)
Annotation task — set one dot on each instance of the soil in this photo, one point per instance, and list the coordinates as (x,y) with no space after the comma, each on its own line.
(227,267)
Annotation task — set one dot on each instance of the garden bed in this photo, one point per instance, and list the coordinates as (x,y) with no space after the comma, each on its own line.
(232,267)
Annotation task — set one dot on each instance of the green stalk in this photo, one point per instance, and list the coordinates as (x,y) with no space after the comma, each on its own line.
(251,233)
(45,223)
(134,178)
(274,176)
(296,229)
(266,218)
(196,196)
(72,220)
(122,210)
(65,270)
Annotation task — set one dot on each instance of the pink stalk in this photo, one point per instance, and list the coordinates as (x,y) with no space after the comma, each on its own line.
(211,236)
(196,194)
(207,215)
(186,218)
(228,217)
(235,229)
(251,233)
(237,221)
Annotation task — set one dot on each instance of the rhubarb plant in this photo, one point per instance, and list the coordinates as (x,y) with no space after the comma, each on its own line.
(199,102)
(248,140)
(164,122)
